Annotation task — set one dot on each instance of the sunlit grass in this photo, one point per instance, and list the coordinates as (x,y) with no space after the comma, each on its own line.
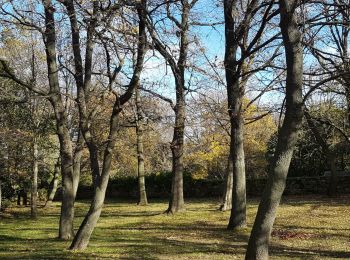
(311,228)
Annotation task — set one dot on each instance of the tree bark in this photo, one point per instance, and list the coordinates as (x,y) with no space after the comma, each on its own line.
(34,190)
(140,155)
(238,210)
(236,35)
(66,230)
(78,152)
(54,184)
(227,195)
(100,177)
(287,137)
(177,203)
(0,195)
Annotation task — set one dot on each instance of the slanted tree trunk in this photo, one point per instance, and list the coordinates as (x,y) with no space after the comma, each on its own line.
(83,235)
(54,184)
(100,177)
(287,137)
(66,230)
(34,190)
(140,155)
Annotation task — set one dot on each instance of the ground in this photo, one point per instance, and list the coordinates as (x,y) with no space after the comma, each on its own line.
(305,228)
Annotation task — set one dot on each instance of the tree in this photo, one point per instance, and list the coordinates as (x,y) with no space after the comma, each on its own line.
(140,154)
(83,83)
(240,54)
(54,95)
(287,136)
(178,67)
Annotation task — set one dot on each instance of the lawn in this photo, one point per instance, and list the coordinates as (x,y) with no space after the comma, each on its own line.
(305,228)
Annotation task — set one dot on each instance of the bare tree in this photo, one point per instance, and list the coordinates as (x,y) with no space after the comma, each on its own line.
(83,81)
(178,68)
(287,136)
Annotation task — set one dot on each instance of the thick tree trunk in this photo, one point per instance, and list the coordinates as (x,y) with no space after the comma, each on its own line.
(34,190)
(238,210)
(235,93)
(287,137)
(140,155)
(54,184)
(66,230)
(177,203)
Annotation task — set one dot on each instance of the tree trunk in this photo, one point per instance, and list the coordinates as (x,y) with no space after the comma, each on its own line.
(177,203)
(101,177)
(287,137)
(235,92)
(25,198)
(0,195)
(77,162)
(333,180)
(54,184)
(34,191)
(82,238)
(66,230)
(140,155)
(227,196)
(238,210)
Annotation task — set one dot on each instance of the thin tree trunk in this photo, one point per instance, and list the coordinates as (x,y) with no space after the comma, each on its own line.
(227,196)
(287,137)
(54,184)
(34,190)
(140,155)
(77,162)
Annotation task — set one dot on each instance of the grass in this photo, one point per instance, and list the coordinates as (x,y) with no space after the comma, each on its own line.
(305,228)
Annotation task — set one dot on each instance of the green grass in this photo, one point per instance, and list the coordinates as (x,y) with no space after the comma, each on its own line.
(305,228)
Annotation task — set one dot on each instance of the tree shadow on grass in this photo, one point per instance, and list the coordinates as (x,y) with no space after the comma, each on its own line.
(284,251)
